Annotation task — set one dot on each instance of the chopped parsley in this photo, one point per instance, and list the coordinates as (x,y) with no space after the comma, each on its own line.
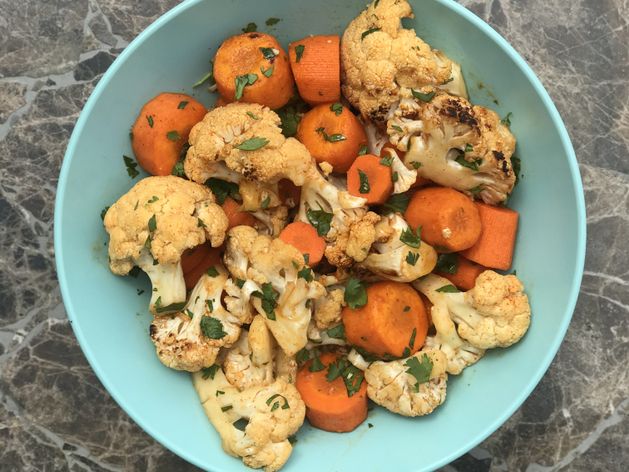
(276,404)
(152,224)
(209,77)
(397,128)
(352,378)
(242,81)
(182,104)
(469,164)
(269,297)
(173,135)
(316,365)
(410,238)
(412,258)
(210,305)
(331,138)
(299,52)
(210,372)
(253,144)
(447,263)
(386,160)
(355,293)
(424,97)
(476,190)
(336,368)
(396,203)
(363,150)
(250,28)
(253,115)
(132,167)
(368,32)
(212,328)
(269,53)
(291,114)
(212,272)
(416,164)
(321,220)
(394,177)
(507,120)
(419,369)
(272,21)
(448,289)
(469,147)
(267,72)
(149,118)
(306,274)
(266,202)
(337,108)
(337,332)
(223,189)
(364,186)
(226,408)
(103,212)
(516,164)
(240,283)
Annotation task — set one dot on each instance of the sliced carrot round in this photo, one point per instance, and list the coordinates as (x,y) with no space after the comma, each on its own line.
(305,238)
(235,216)
(370,179)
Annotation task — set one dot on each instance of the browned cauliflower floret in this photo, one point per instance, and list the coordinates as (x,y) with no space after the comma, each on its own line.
(270,413)
(495,313)
(190,340)
(327,309)
(383,62)
(248,138)
(456,144)
(414,386)
(152,224)
(351,236)
(284,293)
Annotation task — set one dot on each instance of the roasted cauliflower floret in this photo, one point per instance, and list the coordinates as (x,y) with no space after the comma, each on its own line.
(460,353)
(153,224)
(456,145)
(348,225)
(190,340)
(327,308)
(402,256)
(271,221)
(255,423)
(248,138)
(495,313)
(283,296)
(383,62)
(414,386)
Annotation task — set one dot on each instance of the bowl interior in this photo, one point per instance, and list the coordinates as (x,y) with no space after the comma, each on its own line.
(110,317)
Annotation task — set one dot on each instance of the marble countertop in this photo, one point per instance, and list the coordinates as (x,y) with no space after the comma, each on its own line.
(55,415)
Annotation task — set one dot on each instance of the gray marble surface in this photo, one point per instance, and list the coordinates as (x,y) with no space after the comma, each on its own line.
(55,415)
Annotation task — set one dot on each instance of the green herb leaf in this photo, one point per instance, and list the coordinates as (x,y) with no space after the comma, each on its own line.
(447,263)
(253,115)
(291,114)
(412,258)
(331,138)
(266,202)
(469,164)
(173,135)
(355,293)
(178,169)
(212,328)
(321,220)
(352,378)
(447,81)
(242,81)
(416,164)
(363,150)
(396,203)
(386,161)
(299,52)
(182,104)
(153,199)
(424,97)
(223,189)
(250,28)
(337,332)
(149,118)
(131,166)
(410,238)
(406,352)
(316,365)
(507,120)
(152,224)
(209,77)
(397,128)
(406,309)
(219,392)
(272,21)
(240,283)
(276,405)
(411,342)
(448,289)
(103,212)
(269,297)
(200,223)
(253,144)
(336,369)
(469,147)
(240,424)
(210,372)
(212,272)
(394,177)
(268,53)
(302,355)
(306,274)
(337,108)
(268,72)
(368,32)
(226,408)
(210,305)
(364,182)
(419,369)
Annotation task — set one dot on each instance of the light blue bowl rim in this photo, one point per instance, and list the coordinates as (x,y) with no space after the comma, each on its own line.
(577,187)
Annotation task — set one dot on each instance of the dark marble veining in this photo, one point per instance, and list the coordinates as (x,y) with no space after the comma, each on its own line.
(55,415)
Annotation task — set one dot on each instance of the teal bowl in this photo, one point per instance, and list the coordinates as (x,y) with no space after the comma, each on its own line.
(111,320)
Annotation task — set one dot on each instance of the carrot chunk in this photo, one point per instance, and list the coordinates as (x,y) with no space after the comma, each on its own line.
(316,65)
